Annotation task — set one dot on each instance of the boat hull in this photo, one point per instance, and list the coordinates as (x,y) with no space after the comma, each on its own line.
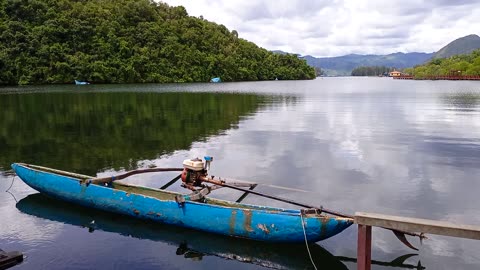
(215,216)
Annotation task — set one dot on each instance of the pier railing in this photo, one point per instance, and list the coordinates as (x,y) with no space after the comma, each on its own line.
(366,221)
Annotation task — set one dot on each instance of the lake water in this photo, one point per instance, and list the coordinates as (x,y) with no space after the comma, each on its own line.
(396,147)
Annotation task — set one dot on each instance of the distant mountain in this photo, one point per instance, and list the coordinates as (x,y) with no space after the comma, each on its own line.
(343,65)
(464,45)
(280,52)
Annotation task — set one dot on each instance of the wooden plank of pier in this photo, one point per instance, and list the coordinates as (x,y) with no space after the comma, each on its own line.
(418,225)
(366,221)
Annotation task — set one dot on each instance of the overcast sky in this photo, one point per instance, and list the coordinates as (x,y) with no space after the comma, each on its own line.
(338,27)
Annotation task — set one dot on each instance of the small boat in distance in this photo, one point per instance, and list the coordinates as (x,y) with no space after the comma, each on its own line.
(81,82)
(216,80)
(194,210)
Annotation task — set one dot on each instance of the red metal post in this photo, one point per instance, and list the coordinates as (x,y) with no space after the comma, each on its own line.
(364,247)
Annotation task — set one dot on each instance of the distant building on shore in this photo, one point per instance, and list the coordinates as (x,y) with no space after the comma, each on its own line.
(395,73)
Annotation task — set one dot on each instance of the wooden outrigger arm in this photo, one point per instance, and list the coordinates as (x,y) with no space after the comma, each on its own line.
(109,179)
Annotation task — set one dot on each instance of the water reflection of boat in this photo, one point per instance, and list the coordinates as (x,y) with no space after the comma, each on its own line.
(186,243)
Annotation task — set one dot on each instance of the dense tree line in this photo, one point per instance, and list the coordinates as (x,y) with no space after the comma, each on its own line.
(371,71)
(468,64)
(126,41)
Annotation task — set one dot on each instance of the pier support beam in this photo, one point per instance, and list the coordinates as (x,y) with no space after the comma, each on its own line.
(366,221)
(364,247)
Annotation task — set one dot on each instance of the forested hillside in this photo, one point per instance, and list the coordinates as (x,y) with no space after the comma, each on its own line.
(127,41)
(468,64)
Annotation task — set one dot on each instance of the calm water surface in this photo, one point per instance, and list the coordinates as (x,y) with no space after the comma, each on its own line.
(356,144)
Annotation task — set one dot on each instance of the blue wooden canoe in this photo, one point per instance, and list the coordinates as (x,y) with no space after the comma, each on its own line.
(213,215)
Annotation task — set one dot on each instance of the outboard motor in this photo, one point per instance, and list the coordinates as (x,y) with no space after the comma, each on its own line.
(193,172)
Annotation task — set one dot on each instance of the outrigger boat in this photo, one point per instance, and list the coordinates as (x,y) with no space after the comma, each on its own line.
(195,210)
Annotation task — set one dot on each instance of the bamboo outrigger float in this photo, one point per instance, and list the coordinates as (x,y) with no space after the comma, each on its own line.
(195,210)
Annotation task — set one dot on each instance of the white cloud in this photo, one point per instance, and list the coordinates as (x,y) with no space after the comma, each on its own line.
(339,27)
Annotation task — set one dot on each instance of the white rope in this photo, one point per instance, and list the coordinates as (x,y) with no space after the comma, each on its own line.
(306,242)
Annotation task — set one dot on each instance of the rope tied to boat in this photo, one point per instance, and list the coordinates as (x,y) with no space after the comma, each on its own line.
(302,212)
(11,185)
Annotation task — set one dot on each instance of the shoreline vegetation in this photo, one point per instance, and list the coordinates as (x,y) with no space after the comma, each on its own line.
(463,65)
(458,67)
(371,71)
(128,41)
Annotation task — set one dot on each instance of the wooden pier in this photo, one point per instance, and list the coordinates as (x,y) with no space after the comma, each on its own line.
(442,77)
(404,77)
(366,221)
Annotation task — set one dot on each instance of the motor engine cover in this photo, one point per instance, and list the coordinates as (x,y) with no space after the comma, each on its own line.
(194,164)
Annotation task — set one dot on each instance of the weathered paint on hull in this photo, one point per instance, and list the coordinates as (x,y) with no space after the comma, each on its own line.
(239,220)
